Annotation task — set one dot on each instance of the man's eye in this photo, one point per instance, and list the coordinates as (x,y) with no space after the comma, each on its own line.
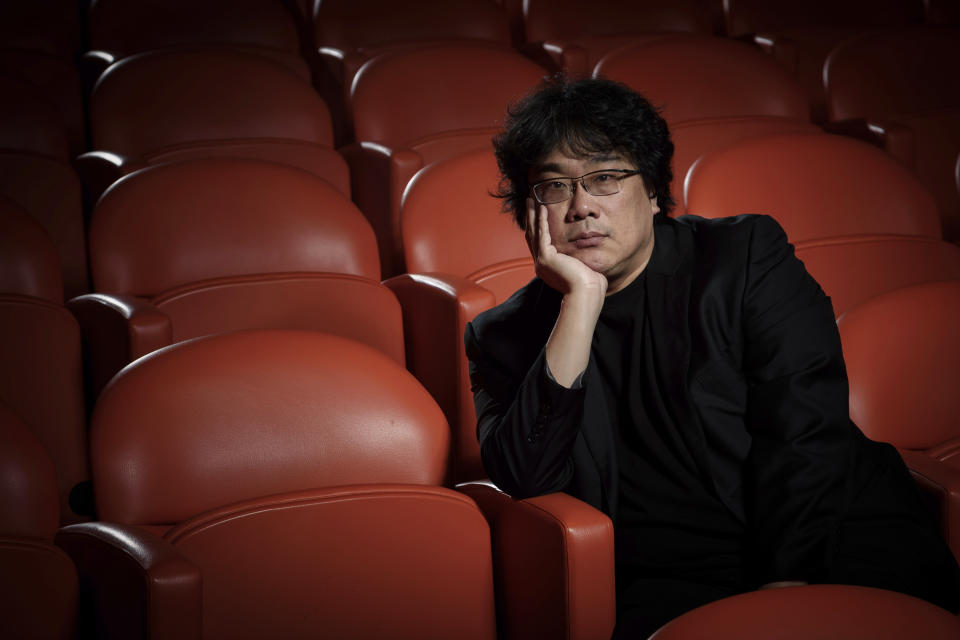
(603,177)
(557,184)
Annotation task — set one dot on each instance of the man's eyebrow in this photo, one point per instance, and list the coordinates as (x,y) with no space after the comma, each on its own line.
(548,167)
(553,167)
(604,158)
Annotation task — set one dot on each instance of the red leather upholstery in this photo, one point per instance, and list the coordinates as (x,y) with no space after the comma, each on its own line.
(274,464)
(46,26)
(438,85)
(574,36)
(29,507)
(28,261)
(29,122)
(825,612)
(41,381)
(348,33)
(39,580)
(40,371)
(565,20)
(452,224)
(349,25)
(753,16)
(218,102)
(118,26)
(279,411)
(174,224)
(909,70)
(815,185)
(218,244)
(49,191)
(942,12)
(415,106)
(699,76)
(537,595)
(693,139)
(464,256)
(319,160)
(854,269)
(55,79)
(901,350)
(209,95)
(896,84)
(800,34)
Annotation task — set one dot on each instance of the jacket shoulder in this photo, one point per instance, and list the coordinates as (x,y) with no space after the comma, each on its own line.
(517,316)
(730,228)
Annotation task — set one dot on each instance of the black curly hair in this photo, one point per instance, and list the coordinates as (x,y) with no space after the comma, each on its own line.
(584,116)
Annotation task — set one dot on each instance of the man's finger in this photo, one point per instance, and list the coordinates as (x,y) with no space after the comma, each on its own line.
(544,229)
(531,231)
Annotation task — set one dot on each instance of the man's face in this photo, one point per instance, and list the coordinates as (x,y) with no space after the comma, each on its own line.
(611,234)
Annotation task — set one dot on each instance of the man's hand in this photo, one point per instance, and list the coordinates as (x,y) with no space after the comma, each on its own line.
(583,289)
(561,272)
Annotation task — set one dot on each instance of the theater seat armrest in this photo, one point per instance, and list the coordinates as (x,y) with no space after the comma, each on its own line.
(116,330)
(369,164)
(556,55)
(133,584)
(98,170)
(554,564)
(895,138)
(436,308)
(939,483)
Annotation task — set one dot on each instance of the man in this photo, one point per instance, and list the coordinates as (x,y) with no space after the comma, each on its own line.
(683,375)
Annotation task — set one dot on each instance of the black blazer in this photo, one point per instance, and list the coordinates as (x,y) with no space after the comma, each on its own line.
(749,353)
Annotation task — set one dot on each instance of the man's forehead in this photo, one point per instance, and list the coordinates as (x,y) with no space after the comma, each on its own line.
(559,160)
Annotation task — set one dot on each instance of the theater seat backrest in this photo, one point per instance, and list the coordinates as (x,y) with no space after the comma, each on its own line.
(901,350)
(174,224)
(815,185)
(212,421)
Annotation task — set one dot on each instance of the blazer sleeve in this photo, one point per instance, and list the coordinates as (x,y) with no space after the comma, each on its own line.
(797,412)
(526,422)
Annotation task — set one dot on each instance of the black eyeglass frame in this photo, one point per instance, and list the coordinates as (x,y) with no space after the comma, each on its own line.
(573,184)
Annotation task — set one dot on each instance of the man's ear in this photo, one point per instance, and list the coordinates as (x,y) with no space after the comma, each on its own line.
(654,205)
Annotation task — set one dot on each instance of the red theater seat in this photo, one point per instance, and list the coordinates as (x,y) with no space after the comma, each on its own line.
(29,121)
(901,349)
(119,29)
(815,185)
(191,248)
(699,76)
(41,378)
(897,88)
(824,612)
(574,36)
(693,139)
(220,103)
(39,580)
(348,33)
(854,269)
(800,34)
(461,260)
(49,190)
(292,497)
(417,106)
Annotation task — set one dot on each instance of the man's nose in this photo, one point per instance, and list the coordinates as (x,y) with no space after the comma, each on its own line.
(582,204)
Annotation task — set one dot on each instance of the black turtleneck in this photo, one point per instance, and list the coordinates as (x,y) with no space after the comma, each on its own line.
(669,520)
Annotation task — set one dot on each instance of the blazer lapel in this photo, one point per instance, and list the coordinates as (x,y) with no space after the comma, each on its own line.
(669,279)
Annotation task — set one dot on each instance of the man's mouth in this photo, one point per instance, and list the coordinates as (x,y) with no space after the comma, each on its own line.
(587,239)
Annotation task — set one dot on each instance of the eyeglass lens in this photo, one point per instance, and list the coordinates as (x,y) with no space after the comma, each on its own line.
(600,183)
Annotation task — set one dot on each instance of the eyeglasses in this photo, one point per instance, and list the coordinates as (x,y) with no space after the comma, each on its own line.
(605,182)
